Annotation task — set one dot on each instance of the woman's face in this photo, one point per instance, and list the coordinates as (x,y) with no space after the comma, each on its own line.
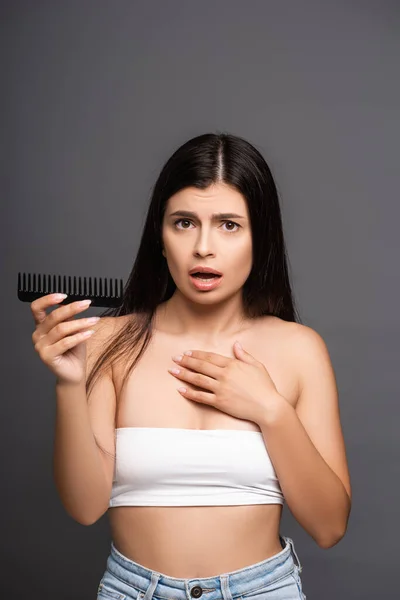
(222,242)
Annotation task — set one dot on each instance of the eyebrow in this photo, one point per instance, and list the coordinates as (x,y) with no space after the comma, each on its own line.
(214,216)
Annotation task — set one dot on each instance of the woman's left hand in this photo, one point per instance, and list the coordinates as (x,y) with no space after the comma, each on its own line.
(241,387)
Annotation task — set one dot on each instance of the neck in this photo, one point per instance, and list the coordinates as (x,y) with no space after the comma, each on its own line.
(208,323)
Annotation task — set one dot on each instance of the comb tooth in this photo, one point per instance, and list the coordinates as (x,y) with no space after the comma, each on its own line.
(75,286)
(105,286)
(54,284)
(70,290)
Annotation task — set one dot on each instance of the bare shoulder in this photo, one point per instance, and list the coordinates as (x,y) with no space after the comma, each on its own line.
(104,329)
(288,332)
(297,337)
(301,347)
(308,347)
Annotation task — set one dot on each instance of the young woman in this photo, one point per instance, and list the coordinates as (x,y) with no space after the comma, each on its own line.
(194,479)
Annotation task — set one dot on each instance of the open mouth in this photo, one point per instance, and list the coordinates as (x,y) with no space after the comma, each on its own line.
(205,276)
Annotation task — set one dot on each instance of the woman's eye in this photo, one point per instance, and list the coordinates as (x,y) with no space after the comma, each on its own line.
(181,221)
(232,223)
(187,221)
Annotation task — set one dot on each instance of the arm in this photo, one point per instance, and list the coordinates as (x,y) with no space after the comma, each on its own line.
(83,474)
(306,445)
(77,465)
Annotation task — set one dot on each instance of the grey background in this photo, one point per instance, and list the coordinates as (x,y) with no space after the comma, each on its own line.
(96,96)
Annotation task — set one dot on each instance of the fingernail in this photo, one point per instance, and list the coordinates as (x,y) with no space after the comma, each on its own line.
(60,296)
(93,320)
(84,303)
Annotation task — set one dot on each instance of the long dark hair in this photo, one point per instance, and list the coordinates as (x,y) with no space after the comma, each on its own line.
(200,162)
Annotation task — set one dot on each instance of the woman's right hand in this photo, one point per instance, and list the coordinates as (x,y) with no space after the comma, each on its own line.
(60,340)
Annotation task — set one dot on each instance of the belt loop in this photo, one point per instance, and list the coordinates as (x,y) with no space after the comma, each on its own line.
(225,589)
(150,590)
(295,553)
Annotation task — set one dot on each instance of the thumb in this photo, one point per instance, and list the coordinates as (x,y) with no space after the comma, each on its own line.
(242,354)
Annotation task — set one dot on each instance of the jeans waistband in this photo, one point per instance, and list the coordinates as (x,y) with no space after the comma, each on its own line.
(227,585)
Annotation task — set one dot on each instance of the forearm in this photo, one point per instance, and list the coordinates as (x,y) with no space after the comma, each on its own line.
(78,470)
(313,492)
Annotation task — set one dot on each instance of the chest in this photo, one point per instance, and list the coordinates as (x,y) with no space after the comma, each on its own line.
(150,397)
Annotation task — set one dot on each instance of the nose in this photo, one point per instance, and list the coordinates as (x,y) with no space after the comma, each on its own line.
(204,244)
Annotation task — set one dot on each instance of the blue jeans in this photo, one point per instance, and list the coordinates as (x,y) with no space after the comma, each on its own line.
(276,578)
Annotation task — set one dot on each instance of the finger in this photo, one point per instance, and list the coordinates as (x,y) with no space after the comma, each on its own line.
(39,306)
(68,328)
(197,379)
(200,366)
(198,396)
(211,357)
(244,355)
(60,315)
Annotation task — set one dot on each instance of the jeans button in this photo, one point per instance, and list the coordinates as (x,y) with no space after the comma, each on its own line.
(196,591)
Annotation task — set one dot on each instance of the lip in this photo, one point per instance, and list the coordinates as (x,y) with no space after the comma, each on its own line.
(200,269)
(205,285)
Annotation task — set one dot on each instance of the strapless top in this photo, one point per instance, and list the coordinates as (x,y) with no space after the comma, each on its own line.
(191,467)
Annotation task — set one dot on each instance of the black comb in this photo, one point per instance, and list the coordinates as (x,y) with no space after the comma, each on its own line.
(31,287)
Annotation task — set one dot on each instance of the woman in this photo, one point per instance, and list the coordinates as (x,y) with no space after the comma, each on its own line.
(194,480)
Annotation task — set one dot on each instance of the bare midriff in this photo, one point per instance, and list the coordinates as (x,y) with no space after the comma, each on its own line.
(196,541)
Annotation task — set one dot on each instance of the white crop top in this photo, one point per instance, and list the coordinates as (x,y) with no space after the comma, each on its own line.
(191,467)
